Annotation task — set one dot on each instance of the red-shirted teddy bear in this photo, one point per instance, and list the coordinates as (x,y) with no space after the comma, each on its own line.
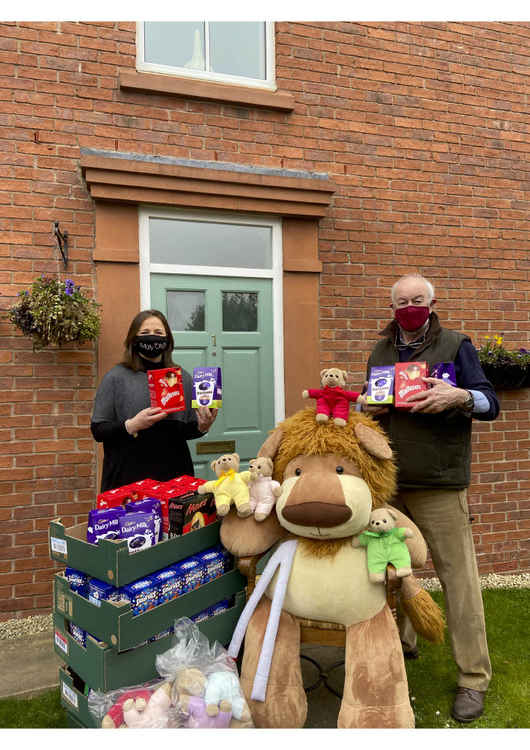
(332,399)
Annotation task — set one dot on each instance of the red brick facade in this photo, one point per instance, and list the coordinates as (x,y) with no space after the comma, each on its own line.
(424,130)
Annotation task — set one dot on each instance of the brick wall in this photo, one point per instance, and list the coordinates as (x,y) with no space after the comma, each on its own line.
(424,129)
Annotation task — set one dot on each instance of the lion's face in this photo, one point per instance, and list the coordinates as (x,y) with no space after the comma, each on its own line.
(323,497)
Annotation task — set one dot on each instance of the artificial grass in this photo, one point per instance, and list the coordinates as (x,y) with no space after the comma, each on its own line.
(432,677)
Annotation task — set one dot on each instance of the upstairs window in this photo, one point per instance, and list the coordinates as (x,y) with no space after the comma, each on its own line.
(223,51)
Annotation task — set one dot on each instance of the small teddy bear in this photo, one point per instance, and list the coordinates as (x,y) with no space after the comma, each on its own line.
(263,488)
(188,694)
(229,486)
(332,399)
(384,544)
(223,686)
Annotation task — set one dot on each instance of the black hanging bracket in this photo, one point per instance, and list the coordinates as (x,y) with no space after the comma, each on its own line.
(62,241)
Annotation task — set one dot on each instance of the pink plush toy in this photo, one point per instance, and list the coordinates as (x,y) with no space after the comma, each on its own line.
(332,399)
(153,714)
(113,719)
(262,487)
(207,716)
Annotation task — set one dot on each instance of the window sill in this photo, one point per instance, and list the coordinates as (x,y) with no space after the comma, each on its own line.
(195,89)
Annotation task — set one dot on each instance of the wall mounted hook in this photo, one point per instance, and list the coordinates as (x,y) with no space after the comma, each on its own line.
(62,241)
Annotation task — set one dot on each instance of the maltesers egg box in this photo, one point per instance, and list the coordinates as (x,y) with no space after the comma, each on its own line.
(408,380)
(207,387)
(166,389)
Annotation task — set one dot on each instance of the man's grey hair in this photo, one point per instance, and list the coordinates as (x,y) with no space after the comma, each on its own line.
(430,287)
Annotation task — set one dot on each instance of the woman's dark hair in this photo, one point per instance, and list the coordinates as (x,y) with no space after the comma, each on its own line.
(131,358)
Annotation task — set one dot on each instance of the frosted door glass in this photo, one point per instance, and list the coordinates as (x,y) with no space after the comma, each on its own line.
(185,310)
(178,44)
(196,243)
(238,48)
(240,311)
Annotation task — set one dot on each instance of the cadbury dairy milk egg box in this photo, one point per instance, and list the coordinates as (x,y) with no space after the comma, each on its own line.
(444,371)
(166,389)
(149,505)
(104,523)
(138,529)
(409,380)
(380,389)
(207,387)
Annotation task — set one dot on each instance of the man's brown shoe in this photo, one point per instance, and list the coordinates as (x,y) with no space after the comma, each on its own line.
(468,705)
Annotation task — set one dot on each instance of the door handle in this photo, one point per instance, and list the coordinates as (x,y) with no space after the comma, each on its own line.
(214,340)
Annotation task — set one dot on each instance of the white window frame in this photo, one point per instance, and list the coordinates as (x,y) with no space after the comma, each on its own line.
(275,273)
(268,83)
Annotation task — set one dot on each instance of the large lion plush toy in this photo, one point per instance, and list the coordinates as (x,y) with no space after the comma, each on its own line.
(330,482)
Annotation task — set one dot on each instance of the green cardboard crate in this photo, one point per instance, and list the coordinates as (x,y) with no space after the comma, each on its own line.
(74,723)
(75,703)
(104,668)
(114,622)
(110,561)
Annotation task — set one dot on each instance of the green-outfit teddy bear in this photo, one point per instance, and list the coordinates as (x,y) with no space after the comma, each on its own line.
(384,544)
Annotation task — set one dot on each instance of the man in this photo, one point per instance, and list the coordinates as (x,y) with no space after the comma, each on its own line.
(432,444)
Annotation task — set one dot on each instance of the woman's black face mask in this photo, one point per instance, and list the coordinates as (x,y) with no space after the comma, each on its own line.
(150,345)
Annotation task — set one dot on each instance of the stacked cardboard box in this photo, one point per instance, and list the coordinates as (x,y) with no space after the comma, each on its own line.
(119,647)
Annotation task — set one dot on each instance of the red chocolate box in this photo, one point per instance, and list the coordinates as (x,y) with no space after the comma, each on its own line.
(166,389)
(113,498)
(167,491)
(408,380)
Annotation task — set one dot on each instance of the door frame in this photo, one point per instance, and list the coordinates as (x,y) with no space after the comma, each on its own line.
(275,273)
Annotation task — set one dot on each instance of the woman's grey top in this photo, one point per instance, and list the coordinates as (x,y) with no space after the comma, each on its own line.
(158,452)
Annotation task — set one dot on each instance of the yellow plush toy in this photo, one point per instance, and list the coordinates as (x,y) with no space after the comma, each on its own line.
(229,486)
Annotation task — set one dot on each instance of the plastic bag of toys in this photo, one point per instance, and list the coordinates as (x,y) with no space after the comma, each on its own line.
(205,690)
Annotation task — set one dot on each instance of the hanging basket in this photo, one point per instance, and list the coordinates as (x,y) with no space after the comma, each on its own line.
(507,377)
(55,313)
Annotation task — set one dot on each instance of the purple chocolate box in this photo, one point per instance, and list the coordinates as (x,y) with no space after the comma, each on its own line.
(380,389)
(139,530)
(444,371)
(148,505)
(104,523)
(207,387)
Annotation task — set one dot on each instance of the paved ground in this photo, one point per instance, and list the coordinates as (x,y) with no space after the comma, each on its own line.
(37,666)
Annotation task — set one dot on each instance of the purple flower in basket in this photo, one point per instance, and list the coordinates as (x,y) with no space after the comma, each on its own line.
(69,287)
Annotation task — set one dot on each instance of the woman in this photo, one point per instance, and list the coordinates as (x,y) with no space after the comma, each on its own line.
(141,441)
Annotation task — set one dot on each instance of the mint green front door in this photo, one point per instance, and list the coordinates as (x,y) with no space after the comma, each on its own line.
(225,322)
